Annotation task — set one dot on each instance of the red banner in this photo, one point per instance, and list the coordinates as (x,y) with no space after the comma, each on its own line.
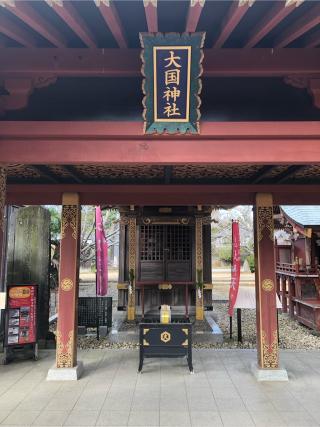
(22,315)
(101,255)
(235,272)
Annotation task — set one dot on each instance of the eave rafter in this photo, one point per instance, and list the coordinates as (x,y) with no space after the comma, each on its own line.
(15,32)
(289,173)
(45,173)
(272,18)
(261,174)
(24,11)
(312,40)
(110,15)
(302,25)
(194,13)
(235,13)
(74,174)
(151,12)
(69,14)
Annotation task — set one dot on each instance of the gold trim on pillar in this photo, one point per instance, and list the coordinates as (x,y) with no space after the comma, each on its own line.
(264,214)
(3,185)
(132,266)
(199,267)
(65,351)
(70,218)
(270,352)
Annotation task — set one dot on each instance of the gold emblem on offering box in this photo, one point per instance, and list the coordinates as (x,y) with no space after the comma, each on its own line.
(165,337)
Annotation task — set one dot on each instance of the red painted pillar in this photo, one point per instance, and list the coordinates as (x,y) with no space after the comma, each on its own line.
(267,336)
(66,355)
(3,178)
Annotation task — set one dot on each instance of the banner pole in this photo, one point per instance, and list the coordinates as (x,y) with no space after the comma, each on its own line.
(230,326)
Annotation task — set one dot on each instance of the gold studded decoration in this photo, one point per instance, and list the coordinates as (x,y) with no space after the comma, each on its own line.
(66,284)
(267,285)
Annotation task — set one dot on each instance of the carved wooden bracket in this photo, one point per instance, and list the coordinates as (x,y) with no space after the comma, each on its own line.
(18,91)
(311,83)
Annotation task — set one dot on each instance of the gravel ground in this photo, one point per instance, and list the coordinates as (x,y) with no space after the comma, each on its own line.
(292,334)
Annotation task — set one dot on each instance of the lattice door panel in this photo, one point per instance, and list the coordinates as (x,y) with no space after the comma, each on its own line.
(151,253)
(178,243)
(151,242)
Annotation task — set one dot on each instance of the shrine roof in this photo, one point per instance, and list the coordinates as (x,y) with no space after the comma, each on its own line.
(116,24)
(305,216)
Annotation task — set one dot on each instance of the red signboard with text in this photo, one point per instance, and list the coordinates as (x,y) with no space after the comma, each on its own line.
(22,315)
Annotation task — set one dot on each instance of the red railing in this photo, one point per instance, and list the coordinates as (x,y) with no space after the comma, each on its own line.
(295,268)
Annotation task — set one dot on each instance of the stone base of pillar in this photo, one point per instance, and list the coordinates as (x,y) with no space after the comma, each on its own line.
(131,313)
(199,313)
(65,374)
(279,374)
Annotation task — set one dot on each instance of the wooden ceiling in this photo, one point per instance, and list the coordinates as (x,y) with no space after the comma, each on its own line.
(116,24)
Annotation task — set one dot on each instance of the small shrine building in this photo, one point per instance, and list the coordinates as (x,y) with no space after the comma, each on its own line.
(72,131)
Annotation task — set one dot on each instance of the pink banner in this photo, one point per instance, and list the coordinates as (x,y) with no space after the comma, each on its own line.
(235,273)
(101,255)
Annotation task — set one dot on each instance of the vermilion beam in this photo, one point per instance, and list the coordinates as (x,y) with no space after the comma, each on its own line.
(235,13)
(112,19)
(253,143)
(150,8)
(299,27)
(73,19)
(9,28)
(148,195)
(270,20)
(127,62)
(127,130)
(313,40)
(194,13)
(25,11)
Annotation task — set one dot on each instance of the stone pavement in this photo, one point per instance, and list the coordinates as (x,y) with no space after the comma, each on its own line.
(222,392)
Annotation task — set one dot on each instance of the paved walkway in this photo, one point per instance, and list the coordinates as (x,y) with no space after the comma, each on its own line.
(111,393)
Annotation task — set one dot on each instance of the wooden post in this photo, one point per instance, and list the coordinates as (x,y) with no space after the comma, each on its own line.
(239,325)
(267,335)
(131,309)
(290,297)
(66,355)
(199,268)
(283,285)
(3,186)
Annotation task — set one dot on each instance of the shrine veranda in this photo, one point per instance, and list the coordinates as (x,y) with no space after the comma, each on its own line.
(72,134)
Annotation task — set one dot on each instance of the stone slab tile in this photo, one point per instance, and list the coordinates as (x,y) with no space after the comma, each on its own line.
(21,418)
(82,418)
(51,418)
(113,418)
(175,418)
(144,418)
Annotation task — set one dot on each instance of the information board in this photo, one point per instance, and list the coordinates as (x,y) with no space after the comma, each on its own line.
(21,315)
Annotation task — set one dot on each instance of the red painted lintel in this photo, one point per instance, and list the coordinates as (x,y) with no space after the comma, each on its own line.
(162,194)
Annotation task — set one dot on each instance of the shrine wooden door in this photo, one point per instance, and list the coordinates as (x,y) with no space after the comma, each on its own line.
(166,253)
